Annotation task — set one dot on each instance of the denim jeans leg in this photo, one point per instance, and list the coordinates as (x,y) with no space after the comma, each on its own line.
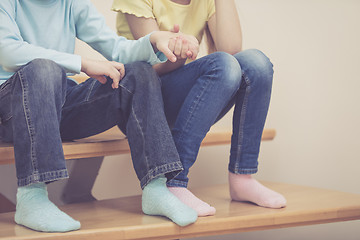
(194,95)
(137,108)
(35,94)
(251,107)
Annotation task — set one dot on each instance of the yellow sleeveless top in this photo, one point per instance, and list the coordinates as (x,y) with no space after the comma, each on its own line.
(191,18)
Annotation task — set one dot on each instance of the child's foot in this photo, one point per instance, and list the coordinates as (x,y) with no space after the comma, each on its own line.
(158,200)
(34,210)
(202,208)
(245,188)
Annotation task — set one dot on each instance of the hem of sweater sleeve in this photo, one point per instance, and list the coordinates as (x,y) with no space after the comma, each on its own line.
(74,65)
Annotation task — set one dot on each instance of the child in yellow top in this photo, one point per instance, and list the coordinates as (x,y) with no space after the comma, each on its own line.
(199,93)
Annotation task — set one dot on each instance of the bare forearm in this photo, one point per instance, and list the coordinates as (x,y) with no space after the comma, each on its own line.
(228,37)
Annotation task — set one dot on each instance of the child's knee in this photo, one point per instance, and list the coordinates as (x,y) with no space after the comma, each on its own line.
(45,67)
(42,78)
(227,70)
(139,75)
(257,68)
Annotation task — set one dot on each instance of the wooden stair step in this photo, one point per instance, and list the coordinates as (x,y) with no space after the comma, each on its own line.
(122,218)
(113,142)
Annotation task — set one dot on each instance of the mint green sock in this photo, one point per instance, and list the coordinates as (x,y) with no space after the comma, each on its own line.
(34,210)
(158,200)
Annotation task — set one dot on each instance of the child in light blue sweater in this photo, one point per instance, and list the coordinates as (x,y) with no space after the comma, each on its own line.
(40,106)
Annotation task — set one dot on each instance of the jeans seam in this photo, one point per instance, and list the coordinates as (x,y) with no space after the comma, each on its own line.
(29,123)
(244,170)
(123,87)
(177,183)
(242,122)
(142,134)
(90,91)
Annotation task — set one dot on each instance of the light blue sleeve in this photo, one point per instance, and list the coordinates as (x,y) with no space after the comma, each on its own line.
(92,29)
(15,52)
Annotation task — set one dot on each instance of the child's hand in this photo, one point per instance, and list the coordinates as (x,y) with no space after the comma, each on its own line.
(102,69)
(175,44)
(180,45)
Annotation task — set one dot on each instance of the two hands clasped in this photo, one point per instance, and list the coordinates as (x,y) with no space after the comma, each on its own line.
(173,44)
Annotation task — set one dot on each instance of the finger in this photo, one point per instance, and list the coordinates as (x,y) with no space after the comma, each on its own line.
(194,47)
(178,46)
(194,51)
(167,51)
(176,28)
(116,81)
(119,73)
(122,71)
(115,76)
(189,54)
(121,68)
(169,54)
(171,45)
(184,49)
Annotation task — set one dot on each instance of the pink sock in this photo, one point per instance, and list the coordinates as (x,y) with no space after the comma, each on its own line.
(245,188)
(202,208)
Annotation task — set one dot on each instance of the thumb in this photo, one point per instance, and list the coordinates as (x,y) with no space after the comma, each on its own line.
(176,28)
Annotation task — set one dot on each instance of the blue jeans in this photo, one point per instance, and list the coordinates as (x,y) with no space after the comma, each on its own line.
(201,92)
(40,107)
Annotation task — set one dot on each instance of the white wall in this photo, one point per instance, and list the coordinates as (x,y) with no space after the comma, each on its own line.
(315,107)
